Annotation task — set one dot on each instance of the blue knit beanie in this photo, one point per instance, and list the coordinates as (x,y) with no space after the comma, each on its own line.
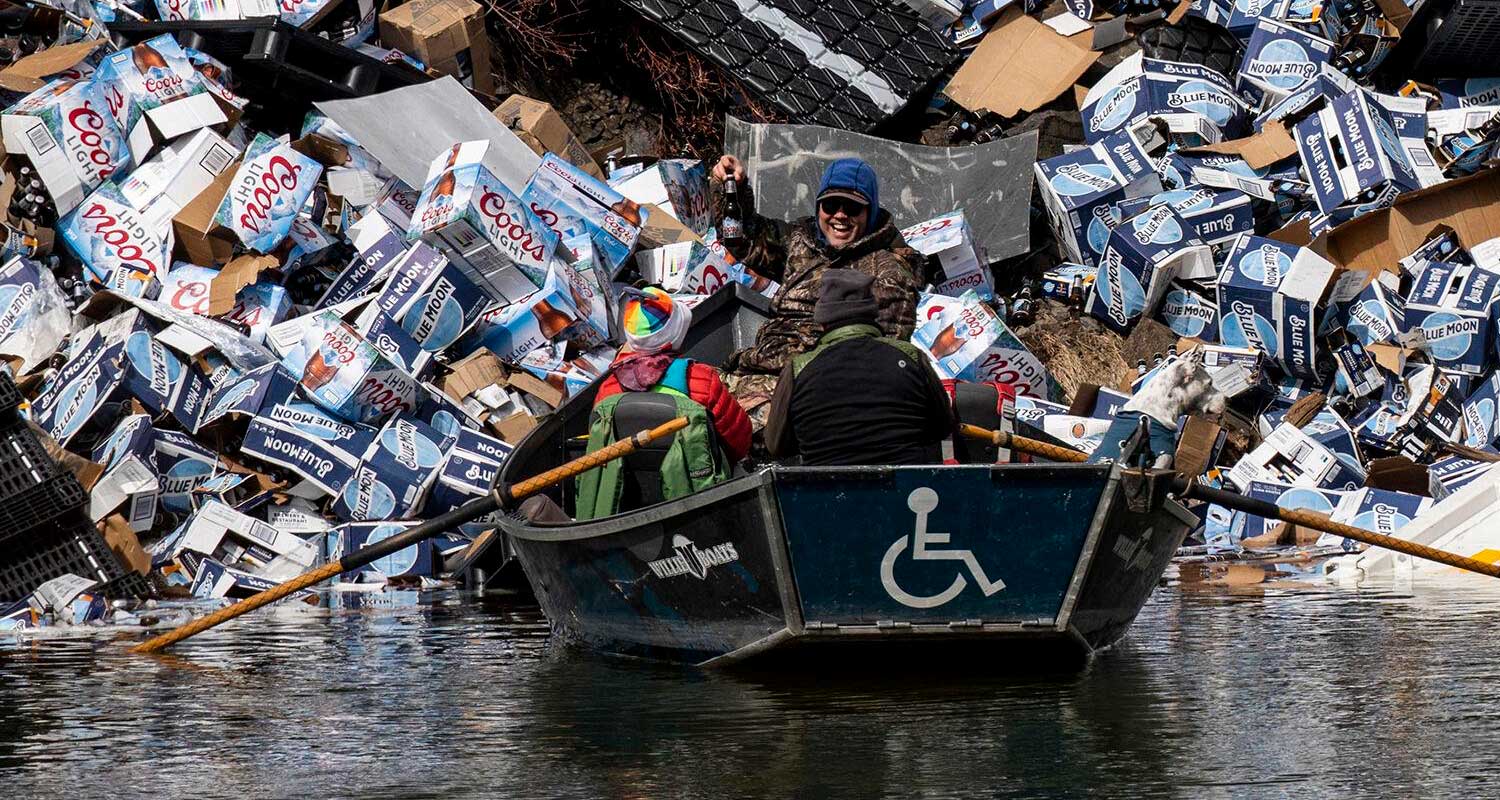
(853,174)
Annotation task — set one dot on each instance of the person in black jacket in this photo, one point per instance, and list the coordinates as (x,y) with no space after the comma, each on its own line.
(857,397)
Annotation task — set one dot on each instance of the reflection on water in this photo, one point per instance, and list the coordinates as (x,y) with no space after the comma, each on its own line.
(1212,695)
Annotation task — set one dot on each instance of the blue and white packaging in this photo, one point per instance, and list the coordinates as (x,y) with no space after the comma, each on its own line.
(1144,254)
(1303,498)
(308,441)
(1377,315)
(1269,300)
(1469,92)
(1198,105)
(120,251)
(1190,314)
(183,465)
(1355,372)
(34,317)
(1241,16)
(1450,314)
(948,240)
(545,316)
(379,246)
(1352,154)
(1078,189)
(130,481)
(241,541)
(395,474)
(244,396)
(1481,422)
(468,471)
(1447,475)
(433,300)
(1213,215)
(345,373)
(213,579)
(417,560)
(1378,510)
(1279,58)
(270,187)
(572,202)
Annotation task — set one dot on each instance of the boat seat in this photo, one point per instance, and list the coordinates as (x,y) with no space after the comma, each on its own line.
(641,476)
(977,404)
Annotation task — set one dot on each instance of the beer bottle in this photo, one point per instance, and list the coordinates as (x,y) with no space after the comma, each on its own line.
(732,226)
(550,320)
(145,57)
(1140,368)
(1023,309)
(1156,360)
(318,371)
(17,243)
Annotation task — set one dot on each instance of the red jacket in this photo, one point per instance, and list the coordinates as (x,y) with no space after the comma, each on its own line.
(706,389)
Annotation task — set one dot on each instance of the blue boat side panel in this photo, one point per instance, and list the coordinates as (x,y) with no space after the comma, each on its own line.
(697,585)
(997,545)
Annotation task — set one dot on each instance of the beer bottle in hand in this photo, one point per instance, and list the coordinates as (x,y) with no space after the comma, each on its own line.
(732,227)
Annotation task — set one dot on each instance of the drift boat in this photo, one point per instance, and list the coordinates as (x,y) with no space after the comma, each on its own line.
(930,563)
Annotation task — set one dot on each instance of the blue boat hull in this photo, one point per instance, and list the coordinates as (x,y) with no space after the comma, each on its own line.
(1017,559)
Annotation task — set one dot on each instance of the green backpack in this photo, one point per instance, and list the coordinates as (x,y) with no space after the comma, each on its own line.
(692,462)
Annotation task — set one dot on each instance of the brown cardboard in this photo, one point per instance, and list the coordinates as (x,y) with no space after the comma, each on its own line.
(1180,11)
(240,272)
(543,130)
(122,540)
(1398,474)
(1020,65)
(86,471)
(472,373)
(1306,408)
(437,32)
(536,387)
(1195,446)
(196,219)
(514,428)
(1379,239)
(1390,357)
(27,74)
(1396,12)
(1272,144)
(662,229)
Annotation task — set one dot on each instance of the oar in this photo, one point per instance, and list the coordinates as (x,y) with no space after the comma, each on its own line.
(1010,441)
(500,497)
(1183,487)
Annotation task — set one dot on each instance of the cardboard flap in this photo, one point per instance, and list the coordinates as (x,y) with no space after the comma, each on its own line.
(240,272)
(661,229)
(1379,239)
(473,372)
(1272,144)
(193,223)
(1182,9)
(1398,474)
(1020,65)
(125,544)
(26,75)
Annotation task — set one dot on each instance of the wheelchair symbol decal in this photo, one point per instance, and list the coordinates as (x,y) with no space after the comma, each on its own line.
(922,501)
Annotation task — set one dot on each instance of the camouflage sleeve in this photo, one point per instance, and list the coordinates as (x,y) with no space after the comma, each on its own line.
(897,281)
(766,253)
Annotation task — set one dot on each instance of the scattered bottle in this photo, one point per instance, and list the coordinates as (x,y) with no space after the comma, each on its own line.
(1140,368)
(1023,308)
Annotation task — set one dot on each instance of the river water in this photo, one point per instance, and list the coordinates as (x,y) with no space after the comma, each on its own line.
(444,694)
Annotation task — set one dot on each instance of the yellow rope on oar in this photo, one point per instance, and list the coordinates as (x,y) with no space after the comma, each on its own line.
(498,498)
(1033,446)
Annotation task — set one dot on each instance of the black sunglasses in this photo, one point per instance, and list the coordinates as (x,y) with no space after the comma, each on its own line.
(832,205)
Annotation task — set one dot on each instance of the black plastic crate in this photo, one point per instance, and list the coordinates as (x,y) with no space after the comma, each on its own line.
(1464,42)
(46,503)
(27,562)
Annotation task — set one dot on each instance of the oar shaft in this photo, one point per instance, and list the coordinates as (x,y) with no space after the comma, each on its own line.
(1033,446)
(1308,519)
(440,524)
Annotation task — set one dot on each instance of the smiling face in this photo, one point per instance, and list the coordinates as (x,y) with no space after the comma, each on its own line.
(842,220)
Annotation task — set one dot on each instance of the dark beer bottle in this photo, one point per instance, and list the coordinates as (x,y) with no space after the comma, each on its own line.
(732,227)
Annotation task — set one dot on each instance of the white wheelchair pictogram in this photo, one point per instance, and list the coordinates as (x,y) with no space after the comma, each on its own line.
(922,501)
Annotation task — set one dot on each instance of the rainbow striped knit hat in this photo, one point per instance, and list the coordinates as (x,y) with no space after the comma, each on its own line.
(652,322)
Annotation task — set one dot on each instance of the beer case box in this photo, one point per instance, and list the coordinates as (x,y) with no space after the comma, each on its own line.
(468,471)
(65,131)
(430,298)
(378,247)
(1327,84)
(1286,496)
(223,534)
(395,474)
(543,130)
(1451,315)
(350,376)
(1190,314)
(1144,254)
(1214,215)
(1057,283)
(120,249)
(213,579)
(238,490)
(206,10)
(1280,57)
(34,317)
(545,316)
(1352,154)
(156,95)
(1182,95)
(1078,189)
(486,230)
(1379,510)
(1270,299)
(303,438)
(419,559)
(1291,457)
(179,172)
(446,35)
(1467,92)
(677,186)
(130,478)
(958,337)
(243,397)
(1355,371)
(684,268)
(1481,421)
(1410,120)
(572,203)
(1377,315)
(182,464)
(949,240)
(1447,475)
(270,186)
